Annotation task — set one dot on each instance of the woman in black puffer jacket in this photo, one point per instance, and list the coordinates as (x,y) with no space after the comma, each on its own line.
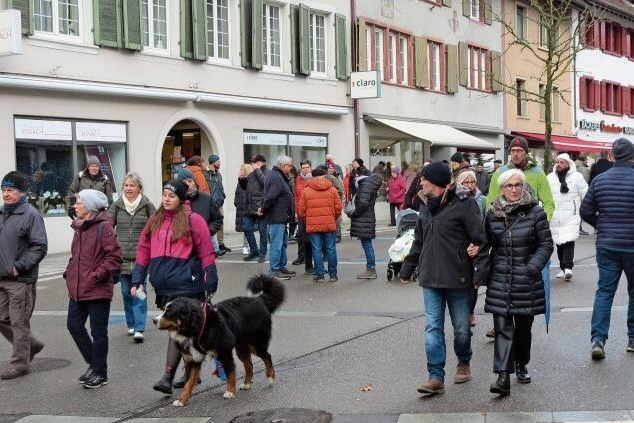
(363,219)
(521,245)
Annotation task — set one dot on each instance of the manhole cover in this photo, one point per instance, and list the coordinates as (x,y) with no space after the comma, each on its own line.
(44,364)
(284,415)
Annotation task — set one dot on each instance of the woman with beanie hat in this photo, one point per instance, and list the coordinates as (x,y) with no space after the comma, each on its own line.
(396,189)
(91,177)
(175,247)
(95,256)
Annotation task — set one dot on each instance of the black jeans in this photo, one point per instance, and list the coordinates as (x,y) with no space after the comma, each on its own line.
(394,208)
(566,255)
(512,341)
(95,349)
(304,247)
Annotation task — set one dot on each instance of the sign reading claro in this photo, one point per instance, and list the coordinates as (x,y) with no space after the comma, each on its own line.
(365,84)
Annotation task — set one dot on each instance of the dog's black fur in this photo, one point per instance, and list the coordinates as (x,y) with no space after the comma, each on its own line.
(243,323)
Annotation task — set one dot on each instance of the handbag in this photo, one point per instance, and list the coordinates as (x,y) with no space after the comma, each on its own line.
(350,206)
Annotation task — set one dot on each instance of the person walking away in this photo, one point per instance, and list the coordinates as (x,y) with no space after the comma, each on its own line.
(24,246)
(174,249)
(482,178)
(395,193)
(608,206)
(240,201)
(214,180)
(448,225)
(521,245)
(320,206)
(602,164)
(92,177)
(568,187)
(129,214)
(304,247)
(95,257)
(278,207)
(251,220)
(363,219)
(196,165)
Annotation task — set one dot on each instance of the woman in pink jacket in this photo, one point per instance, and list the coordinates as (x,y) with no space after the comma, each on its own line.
(396,190)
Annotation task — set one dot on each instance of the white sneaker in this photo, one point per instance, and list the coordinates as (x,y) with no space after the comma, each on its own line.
(567,274)
(245,251)
(130,331)
(138,337)
(560,274)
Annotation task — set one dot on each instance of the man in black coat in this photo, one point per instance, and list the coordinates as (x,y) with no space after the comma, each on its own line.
(448,225)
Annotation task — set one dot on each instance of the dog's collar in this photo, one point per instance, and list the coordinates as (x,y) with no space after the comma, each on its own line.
(205,305)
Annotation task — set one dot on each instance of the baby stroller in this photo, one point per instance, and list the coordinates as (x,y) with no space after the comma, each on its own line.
(405,225)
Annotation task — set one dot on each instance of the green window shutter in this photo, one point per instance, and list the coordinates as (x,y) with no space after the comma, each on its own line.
(421,63)
(26,14)
(362,45)
(341,52)
(245,32)
(466,8)
(446,3)
(132,24)
(294,39)
(496,72)
(107,16)
(487,12)
(463,65)
(199,28)
(256,35)
(452,68)
(187,33)
(304,39)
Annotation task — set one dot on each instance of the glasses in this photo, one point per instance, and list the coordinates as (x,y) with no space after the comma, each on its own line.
(469,183)
(78,203)
(511,187)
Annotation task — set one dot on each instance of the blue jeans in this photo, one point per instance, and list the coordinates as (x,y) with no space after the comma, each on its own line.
(248,226)
(611,264)
(458,301)
(368,250)
(317,241)
(279,242)
(95,350)
(135,309)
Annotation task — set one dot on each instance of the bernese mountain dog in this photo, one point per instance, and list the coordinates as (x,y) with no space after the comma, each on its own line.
(243,323)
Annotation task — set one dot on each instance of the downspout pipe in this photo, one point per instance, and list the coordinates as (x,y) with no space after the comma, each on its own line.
(355,67)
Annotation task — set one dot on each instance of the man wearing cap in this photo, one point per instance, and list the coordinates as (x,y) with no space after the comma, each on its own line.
(24,245)
(449,223)
(608,206)
(214,180)
(251,220)
(91,177)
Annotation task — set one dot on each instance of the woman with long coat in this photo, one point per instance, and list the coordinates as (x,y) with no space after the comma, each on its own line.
(521,245)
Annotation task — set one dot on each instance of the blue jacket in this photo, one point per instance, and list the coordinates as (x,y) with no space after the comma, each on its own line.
(608,206)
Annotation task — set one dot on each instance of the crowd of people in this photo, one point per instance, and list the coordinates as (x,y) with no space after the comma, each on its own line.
(473,229)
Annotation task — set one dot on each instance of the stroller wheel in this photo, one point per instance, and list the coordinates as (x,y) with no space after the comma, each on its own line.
(390,274)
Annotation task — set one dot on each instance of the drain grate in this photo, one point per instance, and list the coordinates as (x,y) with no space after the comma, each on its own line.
(284,415)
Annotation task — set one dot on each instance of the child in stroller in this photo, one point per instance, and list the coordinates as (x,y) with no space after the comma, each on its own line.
(405,225)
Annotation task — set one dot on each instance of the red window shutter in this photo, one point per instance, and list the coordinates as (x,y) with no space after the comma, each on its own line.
(596,95)
(626,100)
(603,96)
(583,92)
(602,40)
(618,99)
(596,34)
(625,42)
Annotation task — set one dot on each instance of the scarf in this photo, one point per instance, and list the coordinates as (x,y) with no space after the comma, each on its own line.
(11,208)
(306,176)
(562,180)
(503,208)
(130,206)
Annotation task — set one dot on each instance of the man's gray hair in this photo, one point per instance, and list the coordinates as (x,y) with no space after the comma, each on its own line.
(282,160)
(506,175)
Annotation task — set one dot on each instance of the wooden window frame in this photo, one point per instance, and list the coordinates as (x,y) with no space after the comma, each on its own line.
(478,78)
(373,28)
(521,108)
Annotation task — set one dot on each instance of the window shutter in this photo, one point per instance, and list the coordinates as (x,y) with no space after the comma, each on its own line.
(132,24)
(596,34)
(256,34)
(245,33)
(625,99)
(341,52)
(446,3)
(107,21)
(487,12)
(463,65)
(304,39)
(186,29)
(496,72)
(625,42)
(602,41)
(294,23)
(421,66)
(596,94)
(362,45)
(604,95)
(617,93)
(452,68)
(199,28)
(26,14)
(583,93)
(466,8)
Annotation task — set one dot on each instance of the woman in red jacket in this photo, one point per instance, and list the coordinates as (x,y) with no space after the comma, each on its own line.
(396,189)
(95,255)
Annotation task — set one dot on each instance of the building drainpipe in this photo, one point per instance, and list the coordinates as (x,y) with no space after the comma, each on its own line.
(354,68)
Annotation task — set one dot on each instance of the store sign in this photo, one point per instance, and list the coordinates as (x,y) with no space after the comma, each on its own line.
(365,84)
(101,132)
(33,129)
(605,127)
(264,138)
(10,32)
(307,140)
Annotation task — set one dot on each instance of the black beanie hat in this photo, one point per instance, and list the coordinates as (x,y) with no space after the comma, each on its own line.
(457,157)
(437,173)
(359,160)
(622,150)
(519,142)
(15,180)
(178,187)
(319,171)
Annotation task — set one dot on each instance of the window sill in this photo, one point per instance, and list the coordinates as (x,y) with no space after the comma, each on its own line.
(272,73)
(59,43)
(321,79)
(152,56)
(611,113)
(523,117)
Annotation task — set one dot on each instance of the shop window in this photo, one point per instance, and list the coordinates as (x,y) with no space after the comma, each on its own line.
(298,146)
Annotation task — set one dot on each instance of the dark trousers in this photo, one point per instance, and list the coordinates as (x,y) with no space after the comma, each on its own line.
(566,255)
(95,349)
(394,208)
(304,246)
(512,341)
(474,299)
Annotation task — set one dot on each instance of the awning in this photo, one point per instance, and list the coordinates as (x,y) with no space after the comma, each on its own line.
(563,143)
(439,135)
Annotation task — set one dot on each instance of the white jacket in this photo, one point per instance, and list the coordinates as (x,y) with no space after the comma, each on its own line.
(564,225)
